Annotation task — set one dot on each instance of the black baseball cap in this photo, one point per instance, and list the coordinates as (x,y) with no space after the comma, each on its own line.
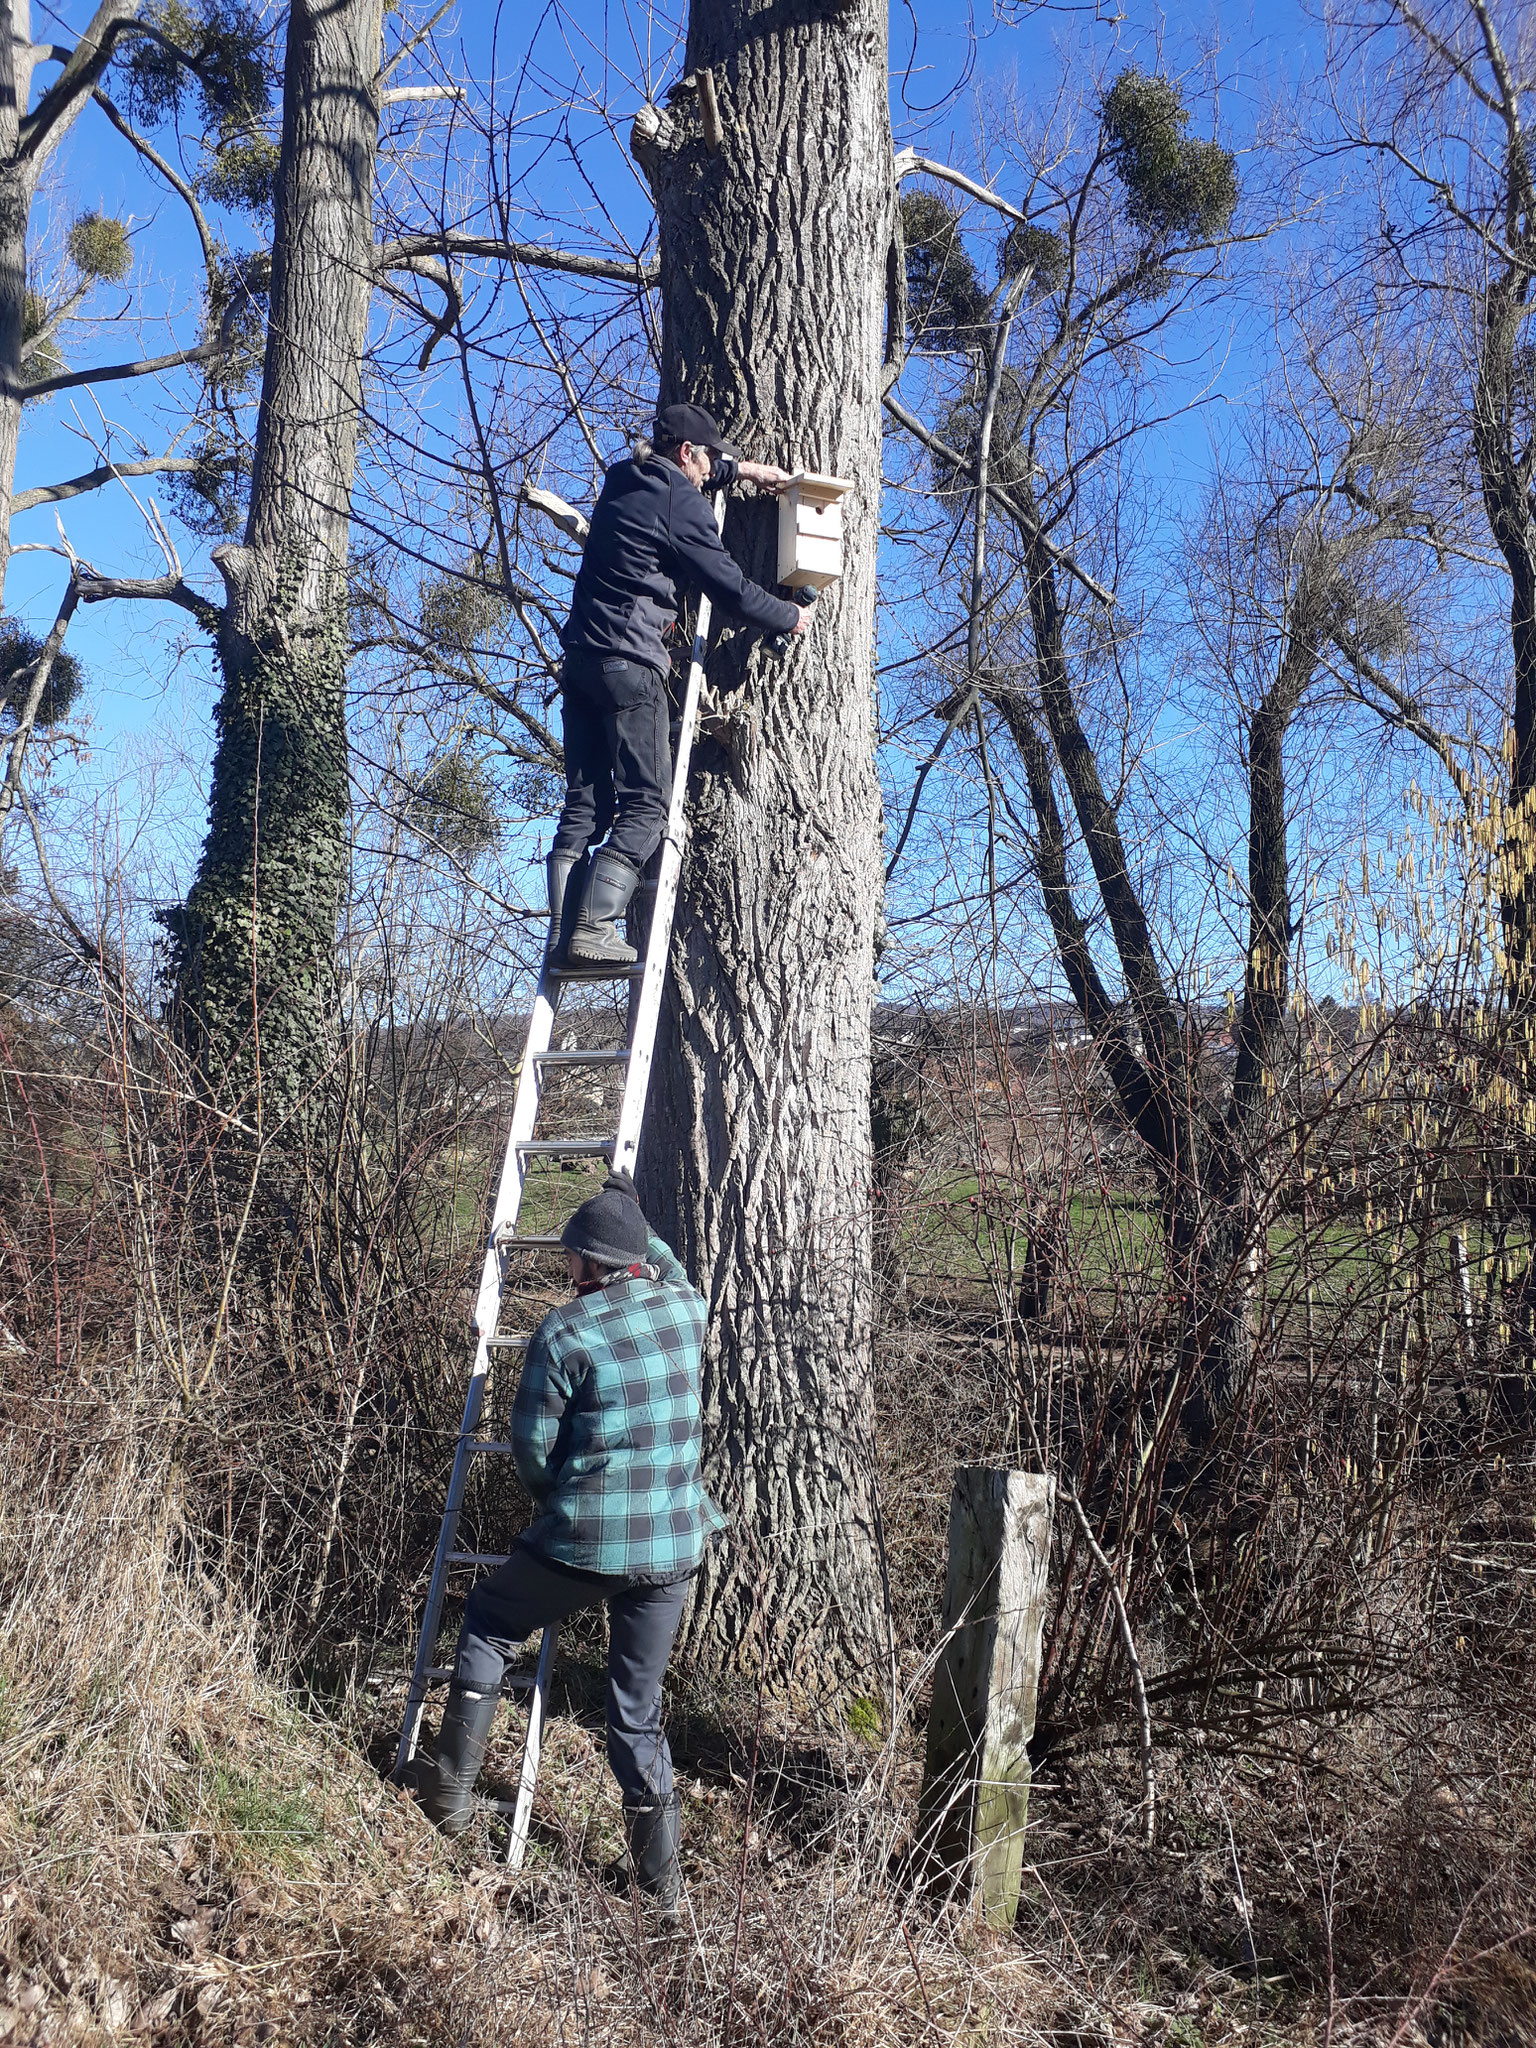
(678,423)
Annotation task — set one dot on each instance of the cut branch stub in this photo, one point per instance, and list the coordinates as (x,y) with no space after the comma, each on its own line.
(975,1796)
(652,133)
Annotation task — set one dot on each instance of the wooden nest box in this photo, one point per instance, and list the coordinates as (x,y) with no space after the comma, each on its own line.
(811,530)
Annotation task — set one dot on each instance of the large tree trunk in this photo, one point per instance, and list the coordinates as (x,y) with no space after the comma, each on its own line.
(774,232)
(1511,508)
(256,968)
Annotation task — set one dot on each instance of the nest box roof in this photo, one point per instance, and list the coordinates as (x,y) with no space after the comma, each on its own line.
(821,490)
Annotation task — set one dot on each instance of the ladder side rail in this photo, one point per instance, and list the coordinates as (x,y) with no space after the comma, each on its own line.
(658,950)
(533,1743)
(507,1206)
(504,1211)
(426,1642)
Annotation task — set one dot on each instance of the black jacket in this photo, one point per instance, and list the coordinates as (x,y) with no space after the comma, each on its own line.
(651,531)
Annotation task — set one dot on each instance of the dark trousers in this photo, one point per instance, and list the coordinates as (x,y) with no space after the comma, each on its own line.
(524,1593)
(618,757)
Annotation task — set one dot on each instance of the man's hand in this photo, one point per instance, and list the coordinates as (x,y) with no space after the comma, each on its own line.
(764,475)
(802,624)
(620,1183)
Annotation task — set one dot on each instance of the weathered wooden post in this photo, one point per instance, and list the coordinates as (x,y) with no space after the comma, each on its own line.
(975,1796)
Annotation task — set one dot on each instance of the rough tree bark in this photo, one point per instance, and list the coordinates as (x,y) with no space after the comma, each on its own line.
(772,170)
(255,967)
(16,190)
(1505,463)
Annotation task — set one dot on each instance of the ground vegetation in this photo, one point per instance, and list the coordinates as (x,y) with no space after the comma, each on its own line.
(1181,1151)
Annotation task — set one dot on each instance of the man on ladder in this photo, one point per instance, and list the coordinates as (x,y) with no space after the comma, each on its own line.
(606,1420)
(651,530)
(606,1437)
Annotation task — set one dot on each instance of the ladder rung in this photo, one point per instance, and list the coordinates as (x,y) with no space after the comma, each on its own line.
(567,1148)
(509,1343)
(515,1243)
(492,1444)
(477,1557)
(512,1681)
(581,1059)
(594,972)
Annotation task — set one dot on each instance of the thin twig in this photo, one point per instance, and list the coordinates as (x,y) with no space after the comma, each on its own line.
(1138,1683)
(1031,528)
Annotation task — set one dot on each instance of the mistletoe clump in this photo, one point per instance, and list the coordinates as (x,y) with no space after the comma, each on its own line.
(99,247)
(215,48)
(1175,188)
(1037,250)
(242,175)
(946,299)
(461,613)
(41,353)
(19,651)
(1008,462)
(210,498)
(454,804)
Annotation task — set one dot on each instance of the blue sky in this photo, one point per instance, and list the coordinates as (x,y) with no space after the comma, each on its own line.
(148,727)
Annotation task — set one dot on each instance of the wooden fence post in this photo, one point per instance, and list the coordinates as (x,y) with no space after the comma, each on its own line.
(975,1796)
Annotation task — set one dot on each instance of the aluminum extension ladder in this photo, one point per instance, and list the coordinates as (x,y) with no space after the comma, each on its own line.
(491,1342)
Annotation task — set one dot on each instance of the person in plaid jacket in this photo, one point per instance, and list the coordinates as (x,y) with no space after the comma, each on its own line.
(606,1437)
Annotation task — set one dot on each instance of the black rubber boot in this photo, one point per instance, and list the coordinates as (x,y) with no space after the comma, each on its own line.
(595,937)
(557,869)
(445,1788)
(653,1828)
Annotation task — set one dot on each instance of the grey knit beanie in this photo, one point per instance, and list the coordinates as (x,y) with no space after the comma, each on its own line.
(610,1230)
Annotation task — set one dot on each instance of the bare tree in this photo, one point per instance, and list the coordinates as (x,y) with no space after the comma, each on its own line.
(1445,123)
(221,62)
(1123,235)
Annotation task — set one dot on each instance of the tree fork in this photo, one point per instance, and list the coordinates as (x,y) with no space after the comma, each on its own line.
(775,218)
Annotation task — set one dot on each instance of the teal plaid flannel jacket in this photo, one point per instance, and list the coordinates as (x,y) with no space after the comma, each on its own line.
(606,1428)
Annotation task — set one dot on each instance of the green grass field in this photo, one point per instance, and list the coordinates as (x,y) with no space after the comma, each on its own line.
(955,1232)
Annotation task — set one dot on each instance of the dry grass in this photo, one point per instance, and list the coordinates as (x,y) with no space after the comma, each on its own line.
(186,1855)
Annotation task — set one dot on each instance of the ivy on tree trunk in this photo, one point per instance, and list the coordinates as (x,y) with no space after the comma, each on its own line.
(255,965)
